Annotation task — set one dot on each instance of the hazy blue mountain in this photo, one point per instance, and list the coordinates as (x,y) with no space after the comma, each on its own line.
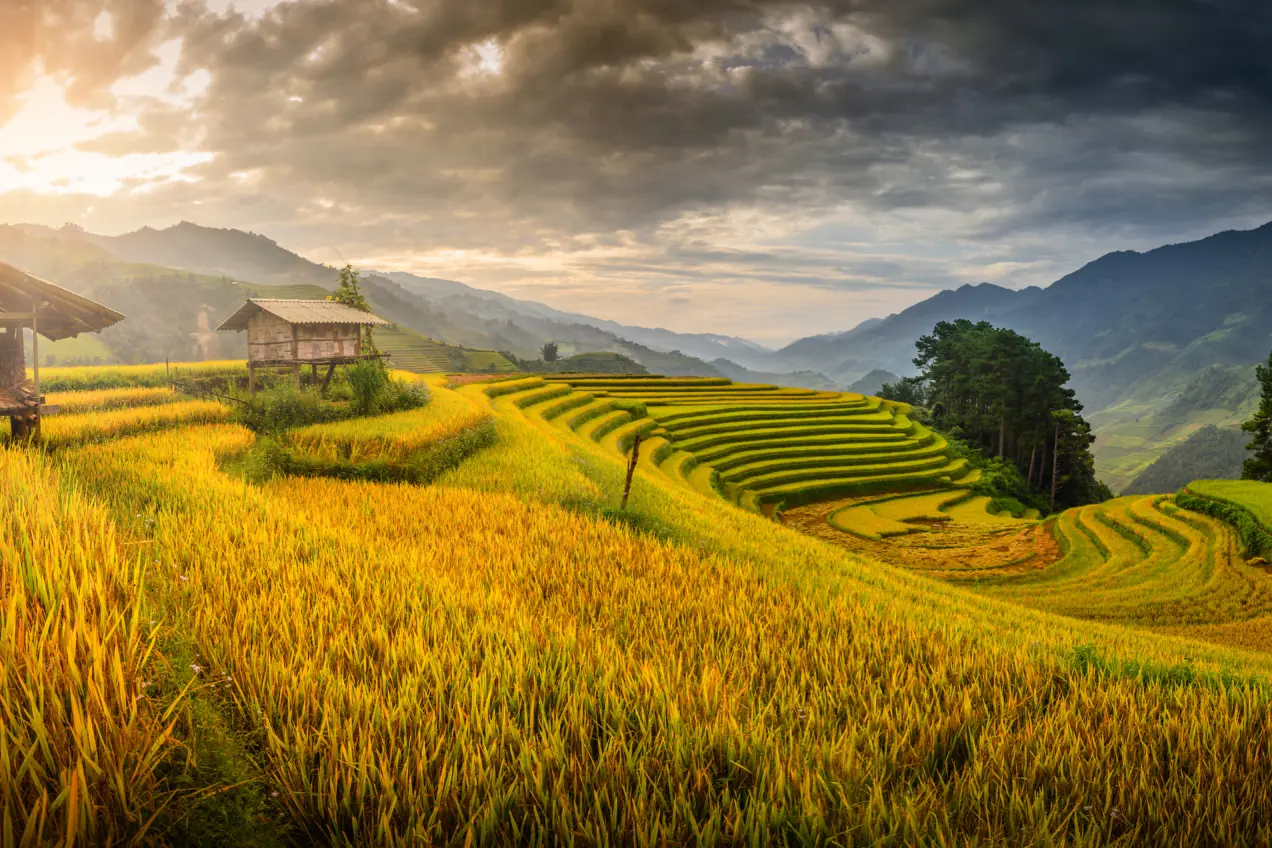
(801,379)
(888,344)
(873,382)
(170,279)
(702,345)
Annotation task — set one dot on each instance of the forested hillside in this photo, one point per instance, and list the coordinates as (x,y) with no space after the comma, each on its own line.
(1009,398)
(1211,453)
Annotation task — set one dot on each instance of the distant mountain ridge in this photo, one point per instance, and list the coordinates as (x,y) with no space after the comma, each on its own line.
(1189,305)
(259,259)
(1139,331)
(214,261)
(1134,329)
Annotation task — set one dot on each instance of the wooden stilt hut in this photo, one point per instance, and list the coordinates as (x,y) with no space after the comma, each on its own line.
(50,311)
(284,333)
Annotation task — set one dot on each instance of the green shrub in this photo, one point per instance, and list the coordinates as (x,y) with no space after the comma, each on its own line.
(1254,538)
(399,396)
(1000,481)
(270,457)
(275,410)
(368,381)
(1006,505)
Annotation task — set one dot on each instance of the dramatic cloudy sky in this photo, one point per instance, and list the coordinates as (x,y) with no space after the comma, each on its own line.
(763,167)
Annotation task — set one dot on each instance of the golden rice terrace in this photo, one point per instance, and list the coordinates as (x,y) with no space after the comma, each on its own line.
(439,627)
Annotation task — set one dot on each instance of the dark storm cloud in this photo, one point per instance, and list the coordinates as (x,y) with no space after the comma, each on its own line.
(621,115)
(659,140)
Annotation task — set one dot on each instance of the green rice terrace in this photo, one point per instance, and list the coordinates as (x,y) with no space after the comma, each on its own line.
(760,446)
(858,472)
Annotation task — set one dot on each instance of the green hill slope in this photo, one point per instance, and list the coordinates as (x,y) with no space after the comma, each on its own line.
(1209,453)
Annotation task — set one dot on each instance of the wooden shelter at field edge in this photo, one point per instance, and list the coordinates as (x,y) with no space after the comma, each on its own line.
(48,310)
(291,333)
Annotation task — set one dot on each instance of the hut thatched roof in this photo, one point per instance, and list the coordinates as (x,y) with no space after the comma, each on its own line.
(300,312)
(63,314)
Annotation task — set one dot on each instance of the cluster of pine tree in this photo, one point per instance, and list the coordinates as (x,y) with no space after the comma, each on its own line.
(1005,395)
(1259,466)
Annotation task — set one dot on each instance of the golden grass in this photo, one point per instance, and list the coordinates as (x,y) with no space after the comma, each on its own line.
(503,658)
(64,430)
(393,437)
(520,672)
(86,401)
(80,737)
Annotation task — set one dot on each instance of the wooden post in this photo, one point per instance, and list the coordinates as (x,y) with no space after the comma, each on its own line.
(296,375)
(251,378)
(326,381)
(35,367)
(35,347)
(631,469)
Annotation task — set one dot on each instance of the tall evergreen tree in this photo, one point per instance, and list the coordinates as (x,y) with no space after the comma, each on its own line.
(1259,466)
(1008,396)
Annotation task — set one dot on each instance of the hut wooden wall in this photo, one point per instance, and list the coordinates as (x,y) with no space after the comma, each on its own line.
(12,358)
(324,341)
(271,339)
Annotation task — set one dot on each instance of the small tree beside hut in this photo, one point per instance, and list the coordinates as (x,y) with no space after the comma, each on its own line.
(349,293)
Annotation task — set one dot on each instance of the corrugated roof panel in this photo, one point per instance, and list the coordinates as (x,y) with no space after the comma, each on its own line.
(301,312)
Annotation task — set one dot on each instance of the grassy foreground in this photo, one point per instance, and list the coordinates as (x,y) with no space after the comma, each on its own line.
(505,658)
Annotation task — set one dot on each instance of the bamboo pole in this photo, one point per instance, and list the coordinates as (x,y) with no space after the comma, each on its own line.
(631,469)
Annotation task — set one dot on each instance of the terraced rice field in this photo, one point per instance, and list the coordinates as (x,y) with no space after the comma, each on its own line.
(394,437)
(91,378)
(89,401)
(1254,498)
(413,352)
(1137,561)
(758,445)
(59,431)
(503,657)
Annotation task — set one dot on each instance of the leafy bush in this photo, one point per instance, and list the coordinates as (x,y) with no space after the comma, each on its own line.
(275,410)
(270,458)
(400,395)
(1006,505)
(1254,538)
(367,387)
(368,381)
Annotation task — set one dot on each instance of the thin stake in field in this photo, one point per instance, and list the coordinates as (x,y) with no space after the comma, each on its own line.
(631,469)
